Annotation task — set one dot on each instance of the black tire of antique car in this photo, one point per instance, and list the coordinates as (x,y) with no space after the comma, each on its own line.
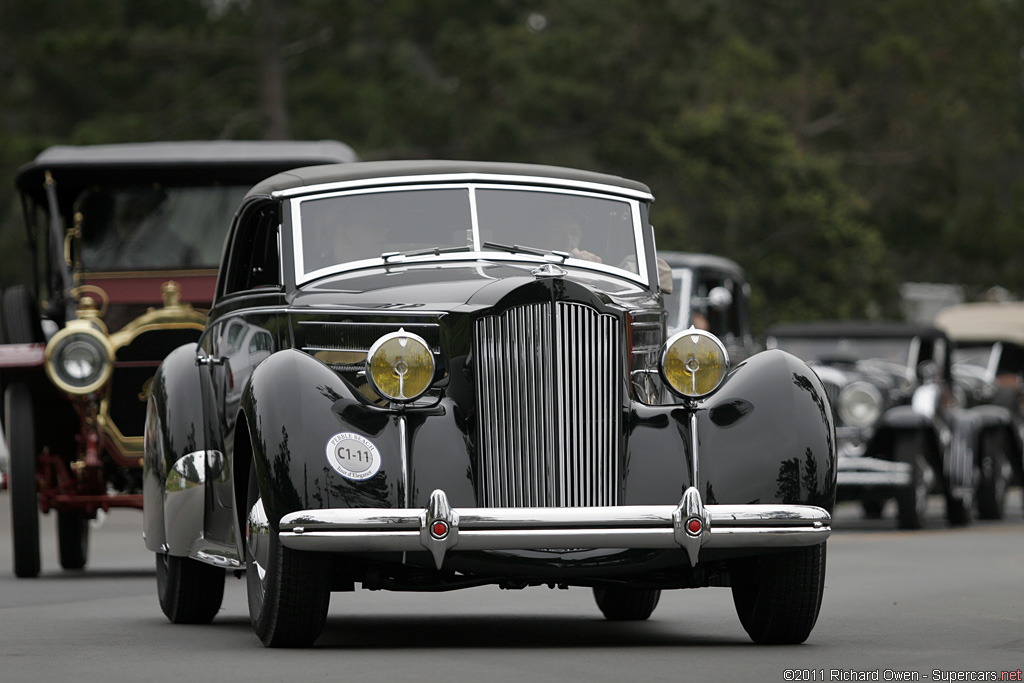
(190,591)
(777,597)
(21,448)
(72,539)
(288,605)
(21,317)
(994,472)
(626,604)
(912,501)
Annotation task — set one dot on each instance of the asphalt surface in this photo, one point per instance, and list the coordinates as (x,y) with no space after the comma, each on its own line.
(937,604)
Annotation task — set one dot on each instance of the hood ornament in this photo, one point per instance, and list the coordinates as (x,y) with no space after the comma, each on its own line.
(549,270)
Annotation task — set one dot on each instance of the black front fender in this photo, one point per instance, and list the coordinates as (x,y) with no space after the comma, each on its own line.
(767,436)
(297,412)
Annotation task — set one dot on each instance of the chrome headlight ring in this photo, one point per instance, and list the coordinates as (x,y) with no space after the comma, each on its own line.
(694,363)
(860,404)
(400,366)
(79,359)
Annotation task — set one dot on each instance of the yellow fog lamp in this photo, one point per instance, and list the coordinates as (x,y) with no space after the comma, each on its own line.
(694,363)
(79,358)
(400,366)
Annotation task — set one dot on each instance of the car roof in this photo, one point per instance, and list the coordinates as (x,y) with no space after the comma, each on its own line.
(241,162)
(383,172)
(682,259)
(863,329)
(983,322)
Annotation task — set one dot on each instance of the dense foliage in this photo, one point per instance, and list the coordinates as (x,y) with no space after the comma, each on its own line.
(832,148)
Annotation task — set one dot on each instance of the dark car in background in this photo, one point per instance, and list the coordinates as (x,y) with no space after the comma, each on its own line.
(711,293)
(469,383)
(124,242)
(902,434)
(988,364)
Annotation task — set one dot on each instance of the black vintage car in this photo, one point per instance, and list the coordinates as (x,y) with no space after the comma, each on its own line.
(902,431)
(463,379)
(711,293)
(124,242)
(988,364)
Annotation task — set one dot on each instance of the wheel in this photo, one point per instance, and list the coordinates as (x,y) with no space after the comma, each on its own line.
(872,508)
(626,604)
(288,589)
(21,317)
(778,597)
(19,425)
(912,500)
(190,591)
(72,539)
(994,473)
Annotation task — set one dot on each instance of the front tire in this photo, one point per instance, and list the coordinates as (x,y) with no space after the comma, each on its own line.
(72,539)
(912,500)
(778,597)
(626,604)
(994,473)
(190,591)
(19,422)
(288,590)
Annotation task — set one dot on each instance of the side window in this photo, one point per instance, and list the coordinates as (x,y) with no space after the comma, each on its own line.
(255,260)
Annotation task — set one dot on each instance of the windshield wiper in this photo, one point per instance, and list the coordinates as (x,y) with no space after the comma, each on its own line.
(520,249)
(497,246)
(429,251)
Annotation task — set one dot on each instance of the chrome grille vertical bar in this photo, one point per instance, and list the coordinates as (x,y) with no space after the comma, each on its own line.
(548,398)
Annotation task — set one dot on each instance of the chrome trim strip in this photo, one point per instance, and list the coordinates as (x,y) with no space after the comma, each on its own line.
(456,178)
(647,526)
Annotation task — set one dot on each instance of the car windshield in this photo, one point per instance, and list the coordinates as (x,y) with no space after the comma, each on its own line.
(893,350)
(356,227)
(973,355)
(155,227)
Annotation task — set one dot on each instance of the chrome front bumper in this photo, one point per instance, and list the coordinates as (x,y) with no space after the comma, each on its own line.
(868,472)
(439,528)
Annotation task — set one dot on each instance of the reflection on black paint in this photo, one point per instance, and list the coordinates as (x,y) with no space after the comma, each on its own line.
(788,480)
(731,413)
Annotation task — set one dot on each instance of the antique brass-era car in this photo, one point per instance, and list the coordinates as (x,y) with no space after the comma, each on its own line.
(902,431)
(113,231)
(468,383)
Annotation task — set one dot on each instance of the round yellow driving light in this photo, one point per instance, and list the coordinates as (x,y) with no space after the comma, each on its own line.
(400,366)
(694,363)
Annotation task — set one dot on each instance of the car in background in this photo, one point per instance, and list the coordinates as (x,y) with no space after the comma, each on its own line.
(901,432)
(988,363)
(124,242)
(710,293)
(469,383)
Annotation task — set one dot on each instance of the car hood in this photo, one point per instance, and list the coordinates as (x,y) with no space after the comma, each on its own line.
(464,287)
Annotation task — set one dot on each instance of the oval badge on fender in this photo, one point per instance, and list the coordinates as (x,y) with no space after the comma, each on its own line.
(353,456)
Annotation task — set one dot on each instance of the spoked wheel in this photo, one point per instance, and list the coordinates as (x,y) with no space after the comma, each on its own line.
(19,424)
(994,474)
(190,591)
(626,604)
(912,500)
(288,589)
(72,539)
(778,597)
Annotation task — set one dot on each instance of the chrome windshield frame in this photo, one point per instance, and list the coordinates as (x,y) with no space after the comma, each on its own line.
(475,252)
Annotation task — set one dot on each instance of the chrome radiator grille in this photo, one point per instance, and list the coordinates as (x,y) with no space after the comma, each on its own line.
(548,398)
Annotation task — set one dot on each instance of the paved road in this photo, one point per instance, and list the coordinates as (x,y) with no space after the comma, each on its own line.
(939,599)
